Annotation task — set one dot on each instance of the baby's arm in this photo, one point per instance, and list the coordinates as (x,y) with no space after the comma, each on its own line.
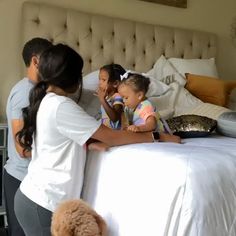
(150,125)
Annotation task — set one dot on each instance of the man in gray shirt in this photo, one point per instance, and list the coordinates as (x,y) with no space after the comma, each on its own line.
(17,163)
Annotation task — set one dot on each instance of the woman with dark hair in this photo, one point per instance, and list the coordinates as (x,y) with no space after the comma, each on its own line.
(56,130)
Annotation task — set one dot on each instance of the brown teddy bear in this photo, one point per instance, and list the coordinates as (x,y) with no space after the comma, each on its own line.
(76,218)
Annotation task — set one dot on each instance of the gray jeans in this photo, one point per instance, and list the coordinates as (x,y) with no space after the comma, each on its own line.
(34,219)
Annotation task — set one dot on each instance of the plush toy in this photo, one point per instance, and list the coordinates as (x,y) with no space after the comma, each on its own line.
(77,218)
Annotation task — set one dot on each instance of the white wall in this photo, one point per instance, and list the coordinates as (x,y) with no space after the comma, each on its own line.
(207,15)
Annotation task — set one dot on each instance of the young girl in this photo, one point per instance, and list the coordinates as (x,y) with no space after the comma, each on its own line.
(107,92)
(111,101)
(133,88)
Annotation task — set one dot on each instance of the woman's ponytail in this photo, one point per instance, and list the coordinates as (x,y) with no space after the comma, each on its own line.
(59,66)
(25,136)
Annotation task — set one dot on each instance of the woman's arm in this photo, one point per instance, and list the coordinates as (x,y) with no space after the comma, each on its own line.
(122,137)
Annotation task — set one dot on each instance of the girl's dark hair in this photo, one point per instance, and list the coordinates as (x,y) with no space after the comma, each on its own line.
(137,82)
(60,66)
(114,72)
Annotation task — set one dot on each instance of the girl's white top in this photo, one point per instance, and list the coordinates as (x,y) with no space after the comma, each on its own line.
(56,170)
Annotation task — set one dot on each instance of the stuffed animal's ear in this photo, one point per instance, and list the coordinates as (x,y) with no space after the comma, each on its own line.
(101,224)
(58,227)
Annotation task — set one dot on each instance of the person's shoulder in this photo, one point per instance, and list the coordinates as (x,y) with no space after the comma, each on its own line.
(54,97)
(22,85)
(20,91)
(146,102)
(57,99)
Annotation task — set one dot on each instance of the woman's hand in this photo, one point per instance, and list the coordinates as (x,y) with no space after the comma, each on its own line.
(98,146)
(169,138)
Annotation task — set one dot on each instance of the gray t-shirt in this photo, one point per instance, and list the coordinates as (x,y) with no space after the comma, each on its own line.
(18,99)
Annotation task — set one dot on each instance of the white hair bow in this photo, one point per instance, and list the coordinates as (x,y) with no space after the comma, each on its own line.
(125,75)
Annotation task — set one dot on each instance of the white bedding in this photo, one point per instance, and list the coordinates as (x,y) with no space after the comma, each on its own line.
(161,189)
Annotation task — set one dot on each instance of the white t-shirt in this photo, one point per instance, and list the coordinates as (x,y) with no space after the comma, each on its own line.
(56,170)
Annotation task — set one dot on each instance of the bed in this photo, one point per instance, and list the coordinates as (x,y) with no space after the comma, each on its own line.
(153,189)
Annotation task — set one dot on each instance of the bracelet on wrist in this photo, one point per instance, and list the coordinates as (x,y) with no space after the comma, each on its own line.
(155,136)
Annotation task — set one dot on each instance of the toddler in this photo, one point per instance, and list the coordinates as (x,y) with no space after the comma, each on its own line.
(133,88)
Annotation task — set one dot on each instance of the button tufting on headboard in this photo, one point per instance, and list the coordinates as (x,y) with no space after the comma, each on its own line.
(37,21)
(125,41)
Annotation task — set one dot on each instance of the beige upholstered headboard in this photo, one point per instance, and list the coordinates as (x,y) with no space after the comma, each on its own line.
(102,39)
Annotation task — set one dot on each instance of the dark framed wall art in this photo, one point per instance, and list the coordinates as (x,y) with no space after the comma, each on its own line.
(174,3)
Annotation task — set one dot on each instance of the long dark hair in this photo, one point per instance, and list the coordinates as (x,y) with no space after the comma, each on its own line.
(60,66)
(114,72)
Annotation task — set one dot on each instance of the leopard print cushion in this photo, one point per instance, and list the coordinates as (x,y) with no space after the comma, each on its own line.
(191,126)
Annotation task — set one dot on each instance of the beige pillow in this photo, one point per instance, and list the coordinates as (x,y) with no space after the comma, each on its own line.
(209,89)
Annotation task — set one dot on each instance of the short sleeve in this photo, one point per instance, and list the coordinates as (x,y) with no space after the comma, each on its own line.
(146,111)
(18,101)
(74,123)
(117,99)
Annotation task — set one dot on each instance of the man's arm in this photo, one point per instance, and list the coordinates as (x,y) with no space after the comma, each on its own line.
(17,125)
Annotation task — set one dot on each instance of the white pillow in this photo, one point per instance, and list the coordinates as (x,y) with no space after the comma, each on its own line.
(162,68)
(90,103)
(167,113)
(209,110)
(204,67)
(185,101)
(156,87)
(91,80)
(165,103)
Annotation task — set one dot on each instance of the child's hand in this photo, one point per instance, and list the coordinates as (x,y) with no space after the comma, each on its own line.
(133,128)
(101,93)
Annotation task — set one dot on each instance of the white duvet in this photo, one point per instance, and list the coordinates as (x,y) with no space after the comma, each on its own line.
(161,189)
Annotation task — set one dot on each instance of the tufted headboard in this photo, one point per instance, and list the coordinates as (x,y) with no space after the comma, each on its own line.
(101,39)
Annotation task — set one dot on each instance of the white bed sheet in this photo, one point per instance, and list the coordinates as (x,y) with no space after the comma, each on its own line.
(160,189)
